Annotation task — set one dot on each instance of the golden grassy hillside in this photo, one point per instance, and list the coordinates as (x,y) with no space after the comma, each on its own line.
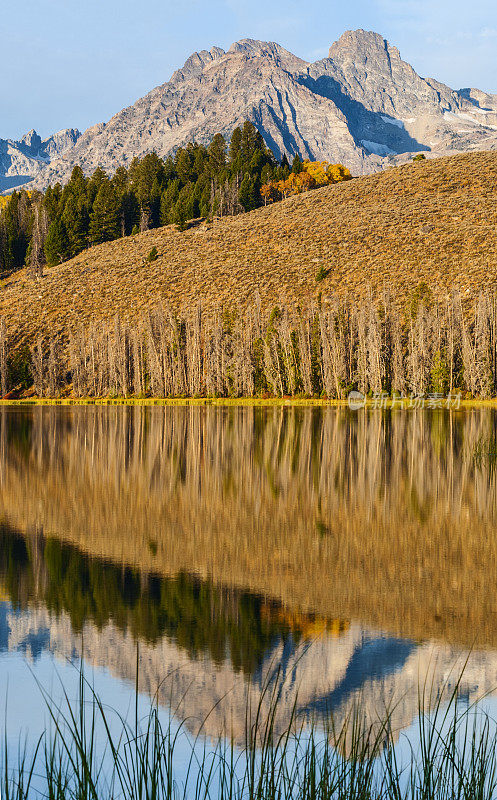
(432,221)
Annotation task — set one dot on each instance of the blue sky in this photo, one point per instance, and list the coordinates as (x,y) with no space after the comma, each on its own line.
(68,63)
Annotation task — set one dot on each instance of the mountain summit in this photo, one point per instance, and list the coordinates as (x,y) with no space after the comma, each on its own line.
(363,106)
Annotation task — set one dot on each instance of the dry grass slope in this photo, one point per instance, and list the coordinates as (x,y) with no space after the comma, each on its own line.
(433,222)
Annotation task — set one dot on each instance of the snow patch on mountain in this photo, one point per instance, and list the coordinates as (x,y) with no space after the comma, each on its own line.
(397,122)
(377,148)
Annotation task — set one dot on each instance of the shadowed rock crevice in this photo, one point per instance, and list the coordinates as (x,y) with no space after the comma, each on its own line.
(363,124)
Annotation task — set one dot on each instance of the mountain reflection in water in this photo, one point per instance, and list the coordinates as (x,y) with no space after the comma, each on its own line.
(355,552)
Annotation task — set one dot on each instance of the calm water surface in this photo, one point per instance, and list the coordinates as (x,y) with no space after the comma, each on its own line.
(357,552)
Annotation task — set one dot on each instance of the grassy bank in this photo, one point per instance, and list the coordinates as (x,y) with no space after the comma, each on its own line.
(314,402)
(174,401)
(452,755)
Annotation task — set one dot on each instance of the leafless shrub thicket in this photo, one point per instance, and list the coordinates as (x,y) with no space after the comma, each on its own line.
(430,347)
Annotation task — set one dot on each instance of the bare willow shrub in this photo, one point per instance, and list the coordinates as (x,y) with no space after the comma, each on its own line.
(333,361)
(214,361)
(175,352)
(194,352)
(272,367)
(434,346)
(53,376)
(375,349)
(38,365)
(4,380)
(137,363)
(155,360)
(361,373)
(398,379)
(120,349)
(305,352)
(78,363)
(418,352)
(288,352)
(483,348)
(244,337)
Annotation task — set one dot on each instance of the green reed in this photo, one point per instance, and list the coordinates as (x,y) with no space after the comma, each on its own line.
(455,756)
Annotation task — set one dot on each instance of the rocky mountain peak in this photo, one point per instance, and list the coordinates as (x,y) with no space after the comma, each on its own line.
(31,140)
(361,45)
(253,48)
(196,63)
(483,100)
(373,73)
(60,142)
(362,106)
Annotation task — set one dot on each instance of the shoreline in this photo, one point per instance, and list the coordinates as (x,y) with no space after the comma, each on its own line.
(370,405)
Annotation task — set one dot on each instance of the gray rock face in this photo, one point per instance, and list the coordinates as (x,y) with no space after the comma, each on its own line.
(362,106)
(60,143)
(23,160)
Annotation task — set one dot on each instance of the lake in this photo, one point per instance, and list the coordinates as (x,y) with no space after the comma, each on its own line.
(193,551)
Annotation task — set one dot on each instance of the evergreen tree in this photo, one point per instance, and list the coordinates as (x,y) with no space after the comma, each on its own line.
(147,173)
(251,142)
(18,220)
(169,173)
(235,149)
(105,215)
(199,161)
(120,181)
(297,165)
(184,206)
(184,165)
(78,184)
(205,201)
(35,257)
(56,247)
(247,193)
(76,221)
(216,156)
(154,203)
(130,212)
(96,181)
(168,200)
(267,173)
(52,199)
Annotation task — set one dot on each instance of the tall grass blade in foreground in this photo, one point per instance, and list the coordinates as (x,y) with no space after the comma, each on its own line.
(93,753)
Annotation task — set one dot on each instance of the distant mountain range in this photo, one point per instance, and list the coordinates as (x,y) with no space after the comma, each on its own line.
(21,161)
(362,106)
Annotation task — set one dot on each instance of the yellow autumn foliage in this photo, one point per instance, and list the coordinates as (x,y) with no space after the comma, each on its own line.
(310,626)
(4,595)
(5,199)
(314,174)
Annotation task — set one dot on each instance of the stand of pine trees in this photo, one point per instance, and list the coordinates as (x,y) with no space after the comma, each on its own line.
(220,179)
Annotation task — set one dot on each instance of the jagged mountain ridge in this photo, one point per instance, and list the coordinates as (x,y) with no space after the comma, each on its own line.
(362,105)
(22,160)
